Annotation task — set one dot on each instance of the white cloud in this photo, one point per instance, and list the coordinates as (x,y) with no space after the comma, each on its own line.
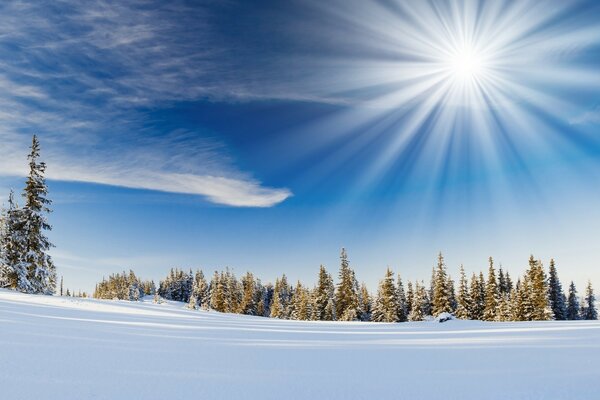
(79,76)
(590,117)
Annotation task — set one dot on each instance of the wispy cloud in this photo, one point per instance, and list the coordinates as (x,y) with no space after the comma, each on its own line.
(590,117)
(84,76)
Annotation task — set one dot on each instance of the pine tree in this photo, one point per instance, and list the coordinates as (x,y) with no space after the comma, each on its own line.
(538,291)
(463,299)
(555,294)
(491,294)
(409,297)
(13,269)
(418,303)
(441,301)
(41,272)
(248,304)
(324,297)
(402,302)
(386,303)
(572,303)
(477,295)
(365,303)
(346,296)
(199,297)
(61,285)
(589,311)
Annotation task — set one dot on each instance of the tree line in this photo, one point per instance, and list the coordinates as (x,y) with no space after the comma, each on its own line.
(24,261)
(535,296)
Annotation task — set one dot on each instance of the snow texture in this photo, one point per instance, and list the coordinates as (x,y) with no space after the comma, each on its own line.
(65,348)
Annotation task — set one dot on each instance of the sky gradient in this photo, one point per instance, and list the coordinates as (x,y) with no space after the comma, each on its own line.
(265,137)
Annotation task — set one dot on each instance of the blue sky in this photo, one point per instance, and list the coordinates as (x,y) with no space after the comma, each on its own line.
(267,136)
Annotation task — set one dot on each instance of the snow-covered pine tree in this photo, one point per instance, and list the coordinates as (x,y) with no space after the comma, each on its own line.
(441,296)
(463,300)
(539,291)
(572,303)
(402,302)
(409,297)
(386,303)
(13,269)
(199,297)
(248,305)
(555,294)
(418,303)
(365,303)
(477,295)
(491,294)
(323,297)
(346,296)
(589,311)
(41,272)
(276,307)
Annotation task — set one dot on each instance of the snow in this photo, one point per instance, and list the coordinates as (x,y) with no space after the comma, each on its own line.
(65,348)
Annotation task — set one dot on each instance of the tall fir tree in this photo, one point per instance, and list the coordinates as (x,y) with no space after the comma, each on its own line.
(441,301)
(41,272)
(477,295)
(572,303)
(324,309)
(463,299)
(346,296)
(386,303)
(491,294)
(538,292)
(402,301)
(365,303)
(13,269)
(555,294)
(589,311)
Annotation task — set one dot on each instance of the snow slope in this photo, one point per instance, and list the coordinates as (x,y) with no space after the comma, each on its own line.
(64,348)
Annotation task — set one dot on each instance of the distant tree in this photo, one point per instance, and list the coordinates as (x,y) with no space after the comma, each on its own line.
(441,301)
(402,301)
(477,295)
(572,303)
(555,294)
(346,296)
(491,294)
(324,309)
(386,303)
(365,303)
(463,299)
(589,311)
(418,303)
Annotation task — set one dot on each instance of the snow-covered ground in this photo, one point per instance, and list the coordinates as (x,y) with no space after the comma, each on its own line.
(64,348)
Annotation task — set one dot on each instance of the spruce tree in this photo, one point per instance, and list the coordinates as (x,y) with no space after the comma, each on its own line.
(365,302)
(402,301)
(491,294)
(418,303)
(323,297)
(13,269)
(572,303)
(386,303)
(477,295)
(538,291)
(589,311)
(555,294)
(441,301)
(463,299)
(346,296)
(41,272)
(248,304)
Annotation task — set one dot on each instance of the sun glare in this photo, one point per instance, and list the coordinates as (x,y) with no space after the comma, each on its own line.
(466,64)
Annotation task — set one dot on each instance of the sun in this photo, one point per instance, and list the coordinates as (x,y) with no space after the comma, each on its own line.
(466,64)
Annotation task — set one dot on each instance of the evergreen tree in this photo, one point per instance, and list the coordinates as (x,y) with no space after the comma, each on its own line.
(409,297)
(248,303)
(199,297)
(572,303)
(418,303)
(463,299)
(41,272)
(61,285)
(13,247)
(441,302)
(589,311)
(477,295)
(346,296)
(365,303)
(555,294)
(324,309)
(386,303)
(491,294)
(538,291)
(402,302)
